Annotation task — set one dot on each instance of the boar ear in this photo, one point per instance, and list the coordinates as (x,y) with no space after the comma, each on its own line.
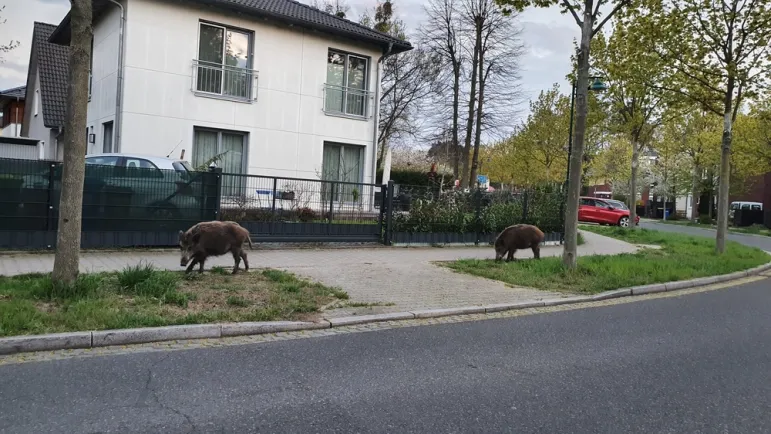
(181,236)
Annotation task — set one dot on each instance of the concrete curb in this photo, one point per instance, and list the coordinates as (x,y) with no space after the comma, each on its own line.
(103,338)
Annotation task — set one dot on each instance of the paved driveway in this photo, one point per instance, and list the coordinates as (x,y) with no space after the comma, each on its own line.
(404,277)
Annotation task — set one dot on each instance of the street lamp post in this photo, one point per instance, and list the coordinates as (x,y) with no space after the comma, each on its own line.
(596,86)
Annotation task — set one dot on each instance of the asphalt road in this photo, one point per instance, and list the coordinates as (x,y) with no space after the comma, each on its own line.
(760,242)
(693,363)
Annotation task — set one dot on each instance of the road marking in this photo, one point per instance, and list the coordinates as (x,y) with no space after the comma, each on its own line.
(388,325)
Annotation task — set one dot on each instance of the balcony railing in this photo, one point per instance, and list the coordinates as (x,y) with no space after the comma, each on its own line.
(346,101)
(224,81)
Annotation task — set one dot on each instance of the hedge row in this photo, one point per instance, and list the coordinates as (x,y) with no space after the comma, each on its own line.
(478,211)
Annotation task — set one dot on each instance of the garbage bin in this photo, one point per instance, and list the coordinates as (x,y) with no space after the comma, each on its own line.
(666,214)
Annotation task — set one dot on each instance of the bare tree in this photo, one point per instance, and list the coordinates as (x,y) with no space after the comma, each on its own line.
(67,260)
(441,34)
(12,44)
(499,52)
(335,7)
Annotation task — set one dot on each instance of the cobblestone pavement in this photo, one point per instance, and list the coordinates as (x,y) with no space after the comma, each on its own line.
(44,356)
(402,278)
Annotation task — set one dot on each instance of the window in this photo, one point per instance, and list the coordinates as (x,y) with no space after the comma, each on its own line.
(102,161)
(343,163)
(141,168)
(36,102)
(107,137)
(600,204)
(346,87)
(587,202)
(229,149)
(224,62)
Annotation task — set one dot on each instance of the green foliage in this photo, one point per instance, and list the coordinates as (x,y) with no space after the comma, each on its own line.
(459,212)
(412,178)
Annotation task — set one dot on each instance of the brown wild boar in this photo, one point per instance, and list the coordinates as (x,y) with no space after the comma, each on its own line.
(518,237)
(213,238)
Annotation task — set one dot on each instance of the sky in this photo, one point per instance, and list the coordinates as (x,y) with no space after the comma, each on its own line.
(547,34)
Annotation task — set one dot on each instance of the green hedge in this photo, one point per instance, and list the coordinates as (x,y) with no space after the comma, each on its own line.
(458,212)
(413,178)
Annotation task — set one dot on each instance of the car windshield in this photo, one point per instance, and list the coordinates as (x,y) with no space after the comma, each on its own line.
(616,204)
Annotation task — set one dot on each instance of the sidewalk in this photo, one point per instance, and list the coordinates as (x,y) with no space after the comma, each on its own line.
(403,277)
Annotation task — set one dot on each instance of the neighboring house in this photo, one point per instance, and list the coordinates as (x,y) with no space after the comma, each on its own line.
(46,92)
(12,107)
(283,89)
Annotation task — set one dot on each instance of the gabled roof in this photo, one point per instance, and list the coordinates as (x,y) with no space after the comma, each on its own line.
(16,92)
(53,69)
(286,11)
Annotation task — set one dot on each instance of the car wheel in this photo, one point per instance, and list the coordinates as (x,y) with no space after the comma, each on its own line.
(623,222)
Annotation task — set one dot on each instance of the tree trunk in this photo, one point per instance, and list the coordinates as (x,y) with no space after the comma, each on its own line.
(695,179)
(67,260)
(722,193)
(465,181)
(570,253)
(633,184)
(480,104)
(455,120)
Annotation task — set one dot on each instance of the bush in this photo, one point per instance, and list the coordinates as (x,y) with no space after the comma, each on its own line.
(459,212)
(705,219)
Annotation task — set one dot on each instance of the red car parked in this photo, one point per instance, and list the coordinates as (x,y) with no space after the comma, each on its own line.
(594,210)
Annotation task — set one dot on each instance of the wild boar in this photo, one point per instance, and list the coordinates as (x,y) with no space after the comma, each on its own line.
(213,238)
(518,237)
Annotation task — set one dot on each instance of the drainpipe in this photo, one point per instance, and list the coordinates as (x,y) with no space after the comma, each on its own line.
(376,112)
(18,124)
(119,88)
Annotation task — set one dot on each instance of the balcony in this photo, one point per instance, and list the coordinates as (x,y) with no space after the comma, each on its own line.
(347,101)
(224,82)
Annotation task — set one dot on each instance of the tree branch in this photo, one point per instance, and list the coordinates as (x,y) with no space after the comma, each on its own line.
(573,11)
(618,7)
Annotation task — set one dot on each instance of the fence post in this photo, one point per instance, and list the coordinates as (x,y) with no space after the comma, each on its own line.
(389,205)
(49,200)
(380,217)
(331,207)
(212,194)
(275,192)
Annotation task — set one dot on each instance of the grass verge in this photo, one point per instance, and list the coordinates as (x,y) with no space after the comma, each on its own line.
(753,230)
(681,257)
(142,296)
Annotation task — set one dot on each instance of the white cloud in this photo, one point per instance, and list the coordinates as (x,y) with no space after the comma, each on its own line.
(20,16)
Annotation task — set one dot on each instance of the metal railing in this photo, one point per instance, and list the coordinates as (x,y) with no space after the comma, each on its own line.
(346,101)
(224,81)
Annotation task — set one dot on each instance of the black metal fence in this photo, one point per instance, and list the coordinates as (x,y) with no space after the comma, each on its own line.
(136,207)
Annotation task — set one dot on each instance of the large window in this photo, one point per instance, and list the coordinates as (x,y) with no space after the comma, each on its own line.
(346,87)
(343,163)
(228,148)
(224,62)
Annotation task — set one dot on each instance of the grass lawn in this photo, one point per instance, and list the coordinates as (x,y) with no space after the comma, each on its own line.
(142,296)
(681,257)
(754,229)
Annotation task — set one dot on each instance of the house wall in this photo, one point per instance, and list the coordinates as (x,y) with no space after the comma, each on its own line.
(286,125)
(101,106)
(35,124)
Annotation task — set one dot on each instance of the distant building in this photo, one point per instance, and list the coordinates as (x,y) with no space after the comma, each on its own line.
(12,107)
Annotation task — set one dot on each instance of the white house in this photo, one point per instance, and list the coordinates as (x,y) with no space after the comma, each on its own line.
(283,89)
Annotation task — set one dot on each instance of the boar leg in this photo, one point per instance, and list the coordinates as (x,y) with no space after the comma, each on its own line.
(236,259)
(246,261)
(536,251)
(192,264)
(511,255)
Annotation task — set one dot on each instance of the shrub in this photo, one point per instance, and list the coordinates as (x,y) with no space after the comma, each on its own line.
(705,219)
(306,215)
(459,212)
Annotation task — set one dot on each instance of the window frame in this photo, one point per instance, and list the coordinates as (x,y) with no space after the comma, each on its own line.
(250,62)
(345,87)
(112,136)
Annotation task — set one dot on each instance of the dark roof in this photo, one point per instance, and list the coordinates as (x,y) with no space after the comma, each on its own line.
(53,68)
(16,92)
(286,11)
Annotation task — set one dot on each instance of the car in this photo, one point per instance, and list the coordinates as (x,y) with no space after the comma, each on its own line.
(594,210)
(621,205)
(139,186)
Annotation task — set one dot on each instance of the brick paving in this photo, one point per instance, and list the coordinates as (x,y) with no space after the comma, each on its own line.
(404,278)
